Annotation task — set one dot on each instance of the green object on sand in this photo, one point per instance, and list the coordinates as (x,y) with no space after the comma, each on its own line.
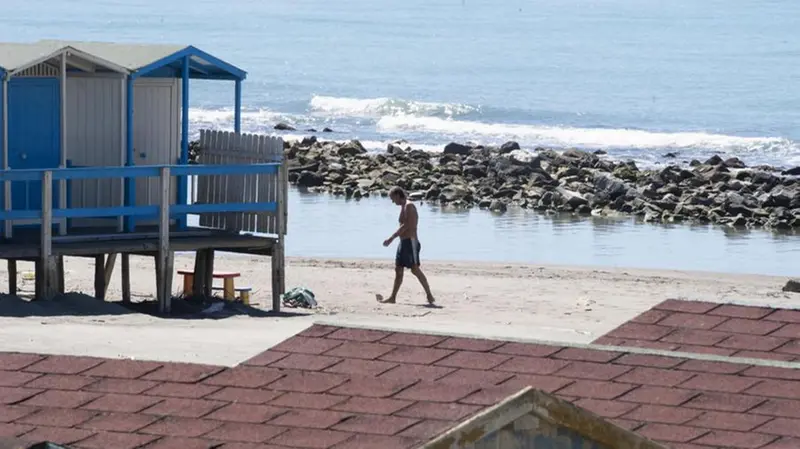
(299,297)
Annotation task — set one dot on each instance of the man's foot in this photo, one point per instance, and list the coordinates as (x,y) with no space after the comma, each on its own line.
(431,300)
(389,300)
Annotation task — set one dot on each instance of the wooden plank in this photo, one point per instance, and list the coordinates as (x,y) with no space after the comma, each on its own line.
(209,273)
(61,273)
(169,273)
(100,277)
(109,270)
(126,278)
(12,277)
(199,273)
(162,264)
(47,270)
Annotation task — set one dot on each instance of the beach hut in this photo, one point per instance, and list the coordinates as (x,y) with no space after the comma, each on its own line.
(98,104)
(95,148)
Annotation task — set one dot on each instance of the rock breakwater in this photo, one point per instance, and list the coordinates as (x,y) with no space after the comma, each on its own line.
(574,181)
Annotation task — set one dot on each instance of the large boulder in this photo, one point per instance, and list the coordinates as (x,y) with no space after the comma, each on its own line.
(457,148)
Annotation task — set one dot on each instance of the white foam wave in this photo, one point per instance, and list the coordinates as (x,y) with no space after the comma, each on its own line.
(223,118)
(380,107)
(590,138)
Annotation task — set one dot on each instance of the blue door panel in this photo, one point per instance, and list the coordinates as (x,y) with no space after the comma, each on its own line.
(34,135)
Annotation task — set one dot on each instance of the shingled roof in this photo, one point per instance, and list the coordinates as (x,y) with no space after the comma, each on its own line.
(345,388)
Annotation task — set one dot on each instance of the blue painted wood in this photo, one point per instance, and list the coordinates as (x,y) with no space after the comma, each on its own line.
(130,161)
(140,171)
(183,181)
(237,109)
(131,211)
(229,71)
(99,212)
(34,137)
(141,211)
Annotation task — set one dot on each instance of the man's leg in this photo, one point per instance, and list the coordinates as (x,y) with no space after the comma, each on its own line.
(417,271)
(398,281)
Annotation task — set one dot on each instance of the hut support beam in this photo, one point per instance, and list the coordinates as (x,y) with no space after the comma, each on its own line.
(165,258)
(237,107)
(62,183)
(126,278)
(183,186)
(130,183)
(7,232)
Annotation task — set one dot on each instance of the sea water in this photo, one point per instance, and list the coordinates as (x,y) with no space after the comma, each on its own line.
(637,79)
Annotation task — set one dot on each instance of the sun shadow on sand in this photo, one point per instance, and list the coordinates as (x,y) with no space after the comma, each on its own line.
(78,304)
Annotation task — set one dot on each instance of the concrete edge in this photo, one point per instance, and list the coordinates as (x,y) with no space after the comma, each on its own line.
(538,405)
(624,349)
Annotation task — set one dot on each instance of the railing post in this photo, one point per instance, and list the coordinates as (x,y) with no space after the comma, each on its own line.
(278,256)
(164,260)
(46,276)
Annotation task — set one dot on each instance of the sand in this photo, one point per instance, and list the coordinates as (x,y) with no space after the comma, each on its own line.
(515,301)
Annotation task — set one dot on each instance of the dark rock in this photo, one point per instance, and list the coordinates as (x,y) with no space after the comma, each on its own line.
(310,179)
(599,152)
(671,155)
(327,130)
(714,160)
(509,147)
(457,148)
(792,286)
(794,171)
(734,162)
(308,141)
(284,127)
(497,206)
(351,148)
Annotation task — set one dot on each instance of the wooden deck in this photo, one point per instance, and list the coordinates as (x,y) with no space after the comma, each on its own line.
(25,245)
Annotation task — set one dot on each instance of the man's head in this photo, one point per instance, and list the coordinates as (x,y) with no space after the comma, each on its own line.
(397,195)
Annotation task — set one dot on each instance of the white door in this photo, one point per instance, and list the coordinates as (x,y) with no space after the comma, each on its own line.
(156,132)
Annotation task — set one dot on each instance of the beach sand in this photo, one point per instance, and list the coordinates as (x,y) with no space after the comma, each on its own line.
(508,301)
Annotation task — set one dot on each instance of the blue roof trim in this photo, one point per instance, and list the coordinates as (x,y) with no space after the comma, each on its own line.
(231,72)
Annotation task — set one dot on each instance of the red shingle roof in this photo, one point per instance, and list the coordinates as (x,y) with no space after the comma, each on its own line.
(711,328)
(345,388)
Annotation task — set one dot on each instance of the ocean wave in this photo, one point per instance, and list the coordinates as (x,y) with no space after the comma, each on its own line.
(382,107)
(587,138)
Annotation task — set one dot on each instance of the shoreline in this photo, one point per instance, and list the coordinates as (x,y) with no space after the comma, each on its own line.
(717,191)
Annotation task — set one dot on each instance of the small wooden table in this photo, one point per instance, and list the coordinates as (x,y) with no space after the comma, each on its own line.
(228,288)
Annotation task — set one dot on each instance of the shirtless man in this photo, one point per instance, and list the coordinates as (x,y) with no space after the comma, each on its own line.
(409,247)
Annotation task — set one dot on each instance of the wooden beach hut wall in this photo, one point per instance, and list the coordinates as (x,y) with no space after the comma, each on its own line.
(99,104)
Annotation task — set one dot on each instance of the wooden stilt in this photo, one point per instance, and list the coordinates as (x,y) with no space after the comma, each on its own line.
(278,282)
(46,275)
(61,281)
(209,273)
(12,277)
(100,277)
(164,257)
(109,270)
(38,290)
(169,273)
(126,278)
(198,279)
